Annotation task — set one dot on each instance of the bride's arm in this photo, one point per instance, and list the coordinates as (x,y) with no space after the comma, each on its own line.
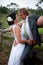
(7,29)
(18,36)
(20,23)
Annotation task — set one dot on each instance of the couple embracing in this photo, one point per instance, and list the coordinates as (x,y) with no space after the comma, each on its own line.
(25,34)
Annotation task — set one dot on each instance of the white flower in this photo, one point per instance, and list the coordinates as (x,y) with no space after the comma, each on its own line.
(9,19)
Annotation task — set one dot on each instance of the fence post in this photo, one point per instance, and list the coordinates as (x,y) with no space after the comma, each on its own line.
(1,27)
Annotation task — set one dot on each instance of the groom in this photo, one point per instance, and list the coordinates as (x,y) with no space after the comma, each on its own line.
(34,21)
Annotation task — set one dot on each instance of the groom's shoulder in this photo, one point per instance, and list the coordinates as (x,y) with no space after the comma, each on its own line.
(33,16)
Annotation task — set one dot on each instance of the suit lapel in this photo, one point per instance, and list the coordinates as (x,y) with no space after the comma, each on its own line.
(30,21)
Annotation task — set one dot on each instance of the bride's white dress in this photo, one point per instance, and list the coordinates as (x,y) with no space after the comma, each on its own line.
(16,51)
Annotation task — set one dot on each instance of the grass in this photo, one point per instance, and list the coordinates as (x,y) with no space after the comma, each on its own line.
(40,30)
(7,38)
(39,47)
(4,20)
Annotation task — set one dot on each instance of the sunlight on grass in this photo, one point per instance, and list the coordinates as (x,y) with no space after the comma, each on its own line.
(40,30)
(39,47)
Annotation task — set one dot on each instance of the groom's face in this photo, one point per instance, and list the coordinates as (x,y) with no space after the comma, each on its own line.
(22,15)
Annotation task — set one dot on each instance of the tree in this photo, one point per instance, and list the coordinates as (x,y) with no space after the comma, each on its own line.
(40,1)
(13,6)
(39,8)
(3,10)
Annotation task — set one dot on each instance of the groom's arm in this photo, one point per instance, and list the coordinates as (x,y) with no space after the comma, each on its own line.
(40,21)
(37,19)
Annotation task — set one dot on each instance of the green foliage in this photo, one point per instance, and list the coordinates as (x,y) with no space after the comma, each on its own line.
(40,30)
(3,10)
(4,20)
(38,12)
(39,47)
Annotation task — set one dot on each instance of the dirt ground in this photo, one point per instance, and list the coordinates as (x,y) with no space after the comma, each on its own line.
(3,58)
(4,54)
(36,56)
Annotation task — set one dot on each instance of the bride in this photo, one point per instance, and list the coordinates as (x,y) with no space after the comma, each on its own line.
(16,51)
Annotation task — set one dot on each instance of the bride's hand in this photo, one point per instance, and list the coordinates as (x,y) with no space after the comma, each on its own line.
(15,43)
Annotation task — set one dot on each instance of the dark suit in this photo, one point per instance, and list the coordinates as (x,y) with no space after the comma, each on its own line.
(32,20)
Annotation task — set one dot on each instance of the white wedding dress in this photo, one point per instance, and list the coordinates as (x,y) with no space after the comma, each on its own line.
(16,51)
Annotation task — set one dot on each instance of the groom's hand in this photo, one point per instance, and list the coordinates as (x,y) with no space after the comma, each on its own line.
(34,42)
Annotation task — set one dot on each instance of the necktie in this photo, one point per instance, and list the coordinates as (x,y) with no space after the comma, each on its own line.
(25,32)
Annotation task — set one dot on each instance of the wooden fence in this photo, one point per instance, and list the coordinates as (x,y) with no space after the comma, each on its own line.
(10,36)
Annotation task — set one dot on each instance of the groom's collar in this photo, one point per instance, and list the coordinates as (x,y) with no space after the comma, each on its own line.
(26,18)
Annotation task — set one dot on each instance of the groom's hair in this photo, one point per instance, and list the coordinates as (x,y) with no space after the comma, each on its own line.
(24,10)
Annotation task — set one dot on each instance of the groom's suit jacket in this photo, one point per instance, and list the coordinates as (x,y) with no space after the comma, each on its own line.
(32,19)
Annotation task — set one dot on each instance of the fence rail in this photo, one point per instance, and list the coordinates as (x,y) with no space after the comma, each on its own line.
(10,36)
(6,35)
